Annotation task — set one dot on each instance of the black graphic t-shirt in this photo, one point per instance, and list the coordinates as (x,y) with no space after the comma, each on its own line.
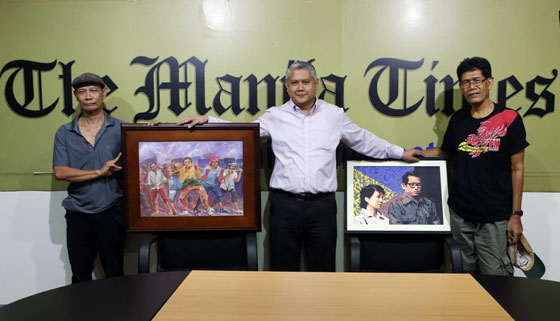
(481,188)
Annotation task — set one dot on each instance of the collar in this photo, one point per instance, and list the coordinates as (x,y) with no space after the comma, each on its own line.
(296,109)
(365,212)
(107,122)
(378,214)
(407,199)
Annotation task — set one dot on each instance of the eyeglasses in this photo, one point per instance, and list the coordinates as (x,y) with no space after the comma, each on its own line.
(475,81)
(414,185)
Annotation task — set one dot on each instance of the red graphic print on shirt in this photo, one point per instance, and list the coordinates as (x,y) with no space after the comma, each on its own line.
(488,135)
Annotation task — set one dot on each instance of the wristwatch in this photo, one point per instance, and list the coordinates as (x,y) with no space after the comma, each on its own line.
(520,213)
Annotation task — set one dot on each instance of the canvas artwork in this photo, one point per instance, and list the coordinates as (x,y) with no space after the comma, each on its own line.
(397,196)
(198,178)
(203,178)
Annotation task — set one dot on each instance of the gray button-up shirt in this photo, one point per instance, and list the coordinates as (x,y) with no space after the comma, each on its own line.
(407,210)
(73,150)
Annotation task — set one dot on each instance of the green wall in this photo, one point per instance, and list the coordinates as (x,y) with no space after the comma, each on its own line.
(136,44)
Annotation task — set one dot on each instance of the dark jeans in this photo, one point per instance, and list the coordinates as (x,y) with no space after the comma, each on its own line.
(86,234)
(297,222)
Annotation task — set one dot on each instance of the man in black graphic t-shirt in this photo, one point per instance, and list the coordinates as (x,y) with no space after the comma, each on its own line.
(486,143)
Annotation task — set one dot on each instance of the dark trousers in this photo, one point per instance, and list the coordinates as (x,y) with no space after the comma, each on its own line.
(86,234)
(298,222)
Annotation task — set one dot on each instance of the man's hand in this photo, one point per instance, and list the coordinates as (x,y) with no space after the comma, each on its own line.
(193,121)
(110,167)
(410,155)
(514,229)
(74,175)
(154,122)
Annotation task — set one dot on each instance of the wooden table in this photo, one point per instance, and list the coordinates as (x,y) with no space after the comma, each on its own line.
(229,295)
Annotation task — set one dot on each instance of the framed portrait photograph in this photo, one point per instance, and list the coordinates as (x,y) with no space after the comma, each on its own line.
(203,178)
(395,196)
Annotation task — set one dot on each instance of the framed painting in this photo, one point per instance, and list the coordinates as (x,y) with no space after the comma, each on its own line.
(394,196)
(181,179)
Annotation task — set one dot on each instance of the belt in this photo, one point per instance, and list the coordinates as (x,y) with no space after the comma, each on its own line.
(306,196)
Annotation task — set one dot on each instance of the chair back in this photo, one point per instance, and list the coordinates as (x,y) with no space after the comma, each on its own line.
(402,253)
(202,251)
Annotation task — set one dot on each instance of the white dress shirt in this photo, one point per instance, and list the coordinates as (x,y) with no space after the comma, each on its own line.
(305,145)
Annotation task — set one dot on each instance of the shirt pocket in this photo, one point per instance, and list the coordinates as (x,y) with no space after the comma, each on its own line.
(326,138)
(79,153)
(323,151)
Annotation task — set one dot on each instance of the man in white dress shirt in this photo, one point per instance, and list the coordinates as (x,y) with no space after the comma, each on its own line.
(305,133)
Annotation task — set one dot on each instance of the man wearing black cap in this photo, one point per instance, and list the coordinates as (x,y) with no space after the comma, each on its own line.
(86,152)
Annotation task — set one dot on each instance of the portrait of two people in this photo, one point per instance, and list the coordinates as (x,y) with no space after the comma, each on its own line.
(412,203)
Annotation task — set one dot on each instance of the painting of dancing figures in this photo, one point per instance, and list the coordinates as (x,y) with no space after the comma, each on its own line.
(191,178)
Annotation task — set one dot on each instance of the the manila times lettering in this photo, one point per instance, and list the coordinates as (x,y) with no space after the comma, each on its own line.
(23,88)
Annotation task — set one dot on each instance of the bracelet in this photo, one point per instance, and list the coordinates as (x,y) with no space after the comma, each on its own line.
(520,213)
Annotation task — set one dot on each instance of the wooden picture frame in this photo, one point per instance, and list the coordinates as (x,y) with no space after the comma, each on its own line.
(155,163)
(418,206)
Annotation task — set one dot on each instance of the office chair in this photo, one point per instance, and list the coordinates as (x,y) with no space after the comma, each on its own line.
(404,253)
(206,250)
